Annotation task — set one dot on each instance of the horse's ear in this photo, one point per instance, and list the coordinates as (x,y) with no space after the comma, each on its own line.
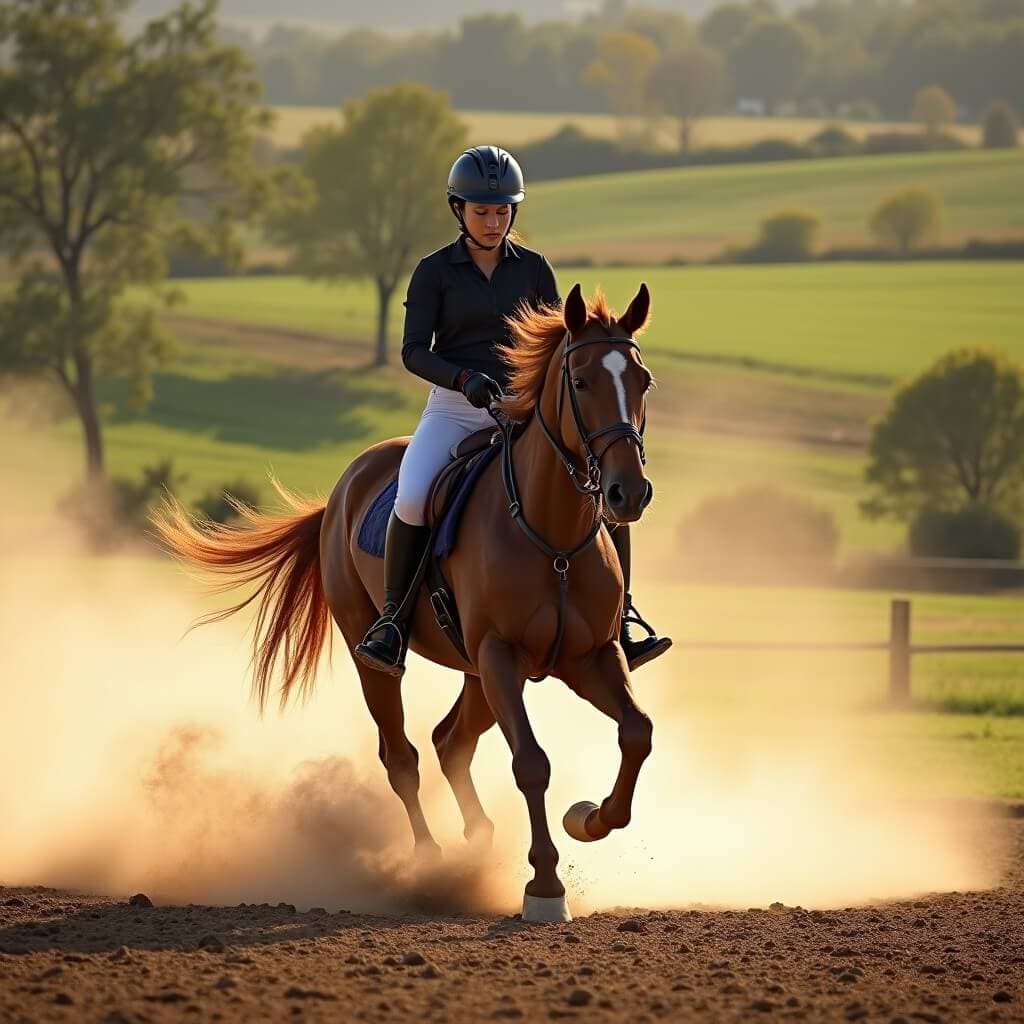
(575,310)
(639,309)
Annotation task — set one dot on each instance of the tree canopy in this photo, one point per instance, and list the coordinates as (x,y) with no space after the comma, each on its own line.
(952,436)
(865,51)
(377,200)
(104,143)
(906,218)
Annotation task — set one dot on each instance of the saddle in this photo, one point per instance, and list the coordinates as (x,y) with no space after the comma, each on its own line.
(446,482)
(448,497)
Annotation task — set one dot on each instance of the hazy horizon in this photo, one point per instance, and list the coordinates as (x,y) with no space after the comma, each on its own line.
(397,15)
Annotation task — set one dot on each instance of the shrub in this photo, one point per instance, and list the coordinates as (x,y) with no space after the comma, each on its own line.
(834,140)
(880,143)
(786,237)
(907,218)
(1000,127)
(975,530)
(112,512)
(759,532)
(216,505)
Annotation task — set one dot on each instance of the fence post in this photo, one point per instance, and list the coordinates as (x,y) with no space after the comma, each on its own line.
(899,652)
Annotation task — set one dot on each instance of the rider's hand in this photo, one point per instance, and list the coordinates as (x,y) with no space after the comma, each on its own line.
(481,390)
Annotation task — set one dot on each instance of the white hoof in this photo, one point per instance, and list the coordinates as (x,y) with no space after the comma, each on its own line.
(575,820)
(546,909)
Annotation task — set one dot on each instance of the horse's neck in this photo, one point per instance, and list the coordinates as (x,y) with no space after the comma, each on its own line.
(551,503)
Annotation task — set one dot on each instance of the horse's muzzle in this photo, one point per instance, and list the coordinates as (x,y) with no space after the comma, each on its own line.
(626,501)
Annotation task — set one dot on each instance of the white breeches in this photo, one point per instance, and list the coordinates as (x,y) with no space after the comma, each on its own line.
(447,419)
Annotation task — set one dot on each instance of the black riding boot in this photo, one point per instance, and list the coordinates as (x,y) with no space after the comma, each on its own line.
(638,652)
(384,645)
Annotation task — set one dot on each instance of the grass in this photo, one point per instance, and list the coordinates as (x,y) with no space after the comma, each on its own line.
(974,747)
(855,324)
(827,339)
(695,211)
(513,128)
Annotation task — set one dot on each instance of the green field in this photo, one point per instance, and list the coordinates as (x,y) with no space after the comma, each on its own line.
(511,128)
(854,323)
(764,373)
(695,211)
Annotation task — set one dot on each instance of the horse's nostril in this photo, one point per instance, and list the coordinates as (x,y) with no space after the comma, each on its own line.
(615,495)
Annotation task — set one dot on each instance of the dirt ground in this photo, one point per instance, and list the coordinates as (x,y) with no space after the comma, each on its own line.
(949,957)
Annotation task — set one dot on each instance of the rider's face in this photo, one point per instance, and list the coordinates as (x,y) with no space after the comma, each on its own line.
(487,222)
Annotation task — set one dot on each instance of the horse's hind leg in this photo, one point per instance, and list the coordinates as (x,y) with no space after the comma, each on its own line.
(455,740)
(400,758)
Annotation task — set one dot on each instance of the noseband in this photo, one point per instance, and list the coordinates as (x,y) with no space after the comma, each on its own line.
(618,431)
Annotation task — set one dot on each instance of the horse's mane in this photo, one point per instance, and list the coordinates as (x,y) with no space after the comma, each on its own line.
(537,333)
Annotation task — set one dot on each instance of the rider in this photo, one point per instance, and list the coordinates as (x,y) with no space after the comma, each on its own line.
(458,296)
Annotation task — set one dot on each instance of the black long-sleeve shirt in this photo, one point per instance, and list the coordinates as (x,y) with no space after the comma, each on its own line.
(451,301)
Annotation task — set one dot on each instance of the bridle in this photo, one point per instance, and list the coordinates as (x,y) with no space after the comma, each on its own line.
(618,431)
(592,478)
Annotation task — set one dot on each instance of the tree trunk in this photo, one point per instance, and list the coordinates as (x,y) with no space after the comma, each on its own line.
(384,290)
(85,399)
(685,129)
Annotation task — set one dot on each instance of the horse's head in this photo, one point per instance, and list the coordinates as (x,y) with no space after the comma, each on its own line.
(601,405)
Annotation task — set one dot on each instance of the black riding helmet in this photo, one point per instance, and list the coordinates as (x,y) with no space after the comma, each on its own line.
(485,174)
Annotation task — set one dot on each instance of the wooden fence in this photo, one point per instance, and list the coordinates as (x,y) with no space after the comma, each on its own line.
(899,645)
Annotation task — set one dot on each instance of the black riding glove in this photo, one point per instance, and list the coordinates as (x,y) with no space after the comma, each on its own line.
(481,390)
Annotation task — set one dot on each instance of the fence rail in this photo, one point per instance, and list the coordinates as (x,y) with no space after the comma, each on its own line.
(899,645)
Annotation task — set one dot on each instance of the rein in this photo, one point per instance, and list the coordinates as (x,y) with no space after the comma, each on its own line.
(591,487)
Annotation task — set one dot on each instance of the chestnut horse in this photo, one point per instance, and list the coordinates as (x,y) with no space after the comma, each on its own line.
(523,612)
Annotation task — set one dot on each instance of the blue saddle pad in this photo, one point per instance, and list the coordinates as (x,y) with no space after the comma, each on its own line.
(375,523)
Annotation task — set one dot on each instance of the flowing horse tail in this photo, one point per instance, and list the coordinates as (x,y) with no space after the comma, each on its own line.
(281,555)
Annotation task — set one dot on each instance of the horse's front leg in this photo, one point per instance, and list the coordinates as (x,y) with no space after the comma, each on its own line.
(605,683)
(503,675)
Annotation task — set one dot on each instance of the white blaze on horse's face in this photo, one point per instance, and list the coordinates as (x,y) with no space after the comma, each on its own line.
(615,363)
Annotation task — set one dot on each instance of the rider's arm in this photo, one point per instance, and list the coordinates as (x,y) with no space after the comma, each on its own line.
(422,311)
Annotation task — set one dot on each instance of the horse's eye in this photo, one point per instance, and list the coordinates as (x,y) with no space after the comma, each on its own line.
(579,384)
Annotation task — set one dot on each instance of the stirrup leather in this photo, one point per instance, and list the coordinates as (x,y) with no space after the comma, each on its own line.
(630,616)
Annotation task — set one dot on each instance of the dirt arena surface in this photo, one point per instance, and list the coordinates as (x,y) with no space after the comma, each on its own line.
(950,957)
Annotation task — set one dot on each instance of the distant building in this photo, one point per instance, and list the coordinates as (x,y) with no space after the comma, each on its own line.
(748,107)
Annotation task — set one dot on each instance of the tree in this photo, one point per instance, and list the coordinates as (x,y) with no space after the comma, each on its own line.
(772,58)
(934,109)
(377,192)
(724,25)
(952,436)
(1001,126)
(668,30)
(907,218)
(104,142)
(687,85)
(621,67)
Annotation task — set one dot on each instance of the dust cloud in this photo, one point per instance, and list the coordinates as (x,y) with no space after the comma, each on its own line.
(131,759)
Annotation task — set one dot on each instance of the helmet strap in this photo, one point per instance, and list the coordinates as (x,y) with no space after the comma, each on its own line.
(453,205)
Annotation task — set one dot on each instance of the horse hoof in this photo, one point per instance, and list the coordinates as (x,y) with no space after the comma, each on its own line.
(546,909)
(575,821)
